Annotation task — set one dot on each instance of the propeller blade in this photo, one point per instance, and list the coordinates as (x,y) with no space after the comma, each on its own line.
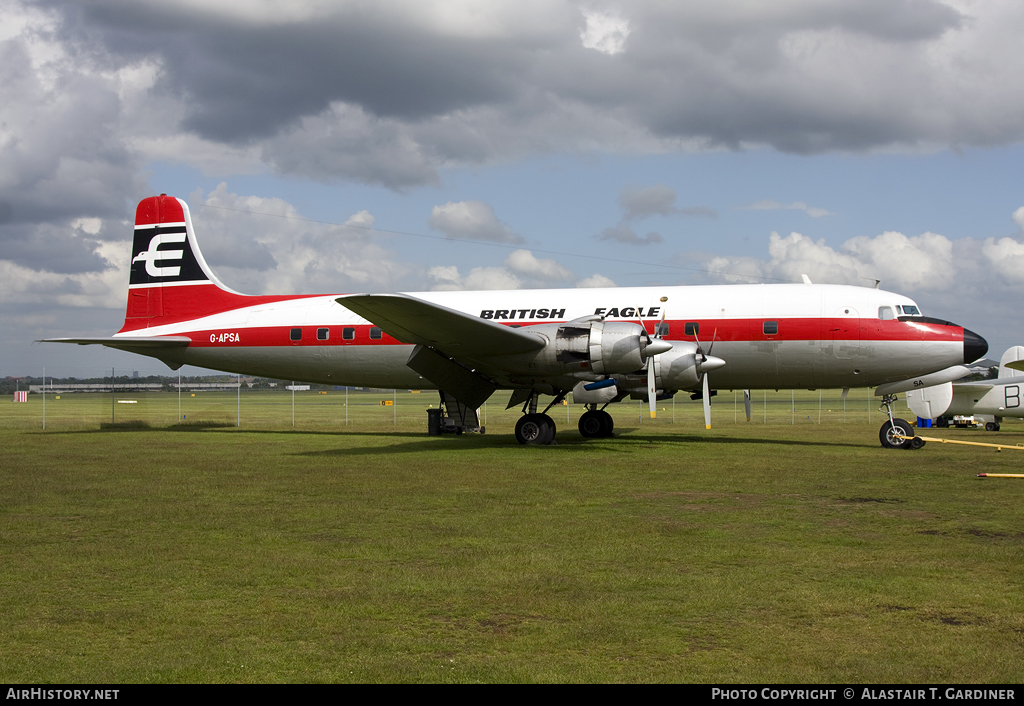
(640,319)
(707,403)
(652,388)
(746,403)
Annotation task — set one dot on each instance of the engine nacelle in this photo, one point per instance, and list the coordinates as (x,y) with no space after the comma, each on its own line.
(597,347)
(677,369)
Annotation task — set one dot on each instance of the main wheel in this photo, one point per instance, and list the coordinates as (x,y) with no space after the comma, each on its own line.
(592,424)
(889,431)
(535,429)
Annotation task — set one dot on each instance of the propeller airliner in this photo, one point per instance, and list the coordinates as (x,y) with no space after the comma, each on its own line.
(600,345)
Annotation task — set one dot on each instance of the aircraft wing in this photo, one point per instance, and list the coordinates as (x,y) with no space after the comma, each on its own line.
(979,384)
(413,320)
(127,343)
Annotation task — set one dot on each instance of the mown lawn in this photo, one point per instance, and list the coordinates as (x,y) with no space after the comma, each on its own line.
(754,552)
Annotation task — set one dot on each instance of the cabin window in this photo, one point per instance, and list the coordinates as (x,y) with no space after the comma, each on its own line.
(322,334)
(770,328)
(661,330)
(348,333)
(885,313)
(295,334)
(376,333)
(691,328)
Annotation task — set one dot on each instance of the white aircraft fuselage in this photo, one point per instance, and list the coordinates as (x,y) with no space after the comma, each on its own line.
(822,339)
(548,341)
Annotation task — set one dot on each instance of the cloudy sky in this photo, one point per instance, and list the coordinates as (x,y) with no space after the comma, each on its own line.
(328,146)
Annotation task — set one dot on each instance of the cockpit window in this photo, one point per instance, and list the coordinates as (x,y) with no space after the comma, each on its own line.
(885,313)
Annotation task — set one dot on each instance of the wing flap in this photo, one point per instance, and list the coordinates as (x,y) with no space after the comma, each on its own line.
(458,334)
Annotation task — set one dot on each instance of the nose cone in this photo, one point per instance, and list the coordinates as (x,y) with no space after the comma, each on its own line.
(974,346)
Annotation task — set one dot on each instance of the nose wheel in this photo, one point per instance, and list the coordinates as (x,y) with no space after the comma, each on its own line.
(895,428)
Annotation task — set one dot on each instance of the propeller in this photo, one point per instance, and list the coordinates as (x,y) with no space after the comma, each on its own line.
(655,346)
(705,364)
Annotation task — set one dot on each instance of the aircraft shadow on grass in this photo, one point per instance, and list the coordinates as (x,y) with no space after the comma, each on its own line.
(568,443)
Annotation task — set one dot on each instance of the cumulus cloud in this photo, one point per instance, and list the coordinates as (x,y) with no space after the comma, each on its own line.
(473,220)
(604,32)
(447,278)
(640,203)
(597,280)
(520,270)
(390,93)
(1006,257)
(263,245)
(622,233)
(772,205)
(918,263)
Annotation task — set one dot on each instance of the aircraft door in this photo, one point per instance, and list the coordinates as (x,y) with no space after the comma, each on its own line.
(845,332)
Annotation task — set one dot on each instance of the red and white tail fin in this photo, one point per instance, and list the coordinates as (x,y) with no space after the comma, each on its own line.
(170,281)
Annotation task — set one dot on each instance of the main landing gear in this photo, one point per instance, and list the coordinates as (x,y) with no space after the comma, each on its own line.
(533,428)
(895,428)
(596,423)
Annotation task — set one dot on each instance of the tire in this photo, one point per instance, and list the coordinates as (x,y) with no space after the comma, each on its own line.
(592,424)
(886,433)
(536,429)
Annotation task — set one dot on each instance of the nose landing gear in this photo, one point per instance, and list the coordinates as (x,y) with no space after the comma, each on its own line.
(895,428)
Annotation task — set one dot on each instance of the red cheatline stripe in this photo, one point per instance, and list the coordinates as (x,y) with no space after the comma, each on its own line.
(737,330)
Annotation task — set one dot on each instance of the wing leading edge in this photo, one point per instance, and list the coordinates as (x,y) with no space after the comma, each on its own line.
(460,335)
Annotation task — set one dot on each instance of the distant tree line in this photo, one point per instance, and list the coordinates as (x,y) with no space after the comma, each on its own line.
(9,385)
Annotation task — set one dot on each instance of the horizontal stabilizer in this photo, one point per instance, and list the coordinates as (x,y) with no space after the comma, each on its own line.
(127,343)
(412,320)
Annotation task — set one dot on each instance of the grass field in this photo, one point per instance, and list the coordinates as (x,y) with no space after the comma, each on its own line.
(786,551)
